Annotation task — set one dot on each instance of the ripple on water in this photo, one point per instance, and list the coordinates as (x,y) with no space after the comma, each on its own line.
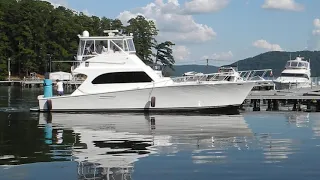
(162,147)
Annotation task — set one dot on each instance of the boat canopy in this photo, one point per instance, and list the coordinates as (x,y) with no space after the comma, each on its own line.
(90,46)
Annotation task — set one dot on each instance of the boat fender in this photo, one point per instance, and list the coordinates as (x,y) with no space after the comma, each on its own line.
(153,101)
(49,104)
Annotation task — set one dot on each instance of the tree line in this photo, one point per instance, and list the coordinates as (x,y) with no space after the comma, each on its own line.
(32,32)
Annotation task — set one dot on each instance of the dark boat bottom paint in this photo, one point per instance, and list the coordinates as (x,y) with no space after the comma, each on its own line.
(228,110)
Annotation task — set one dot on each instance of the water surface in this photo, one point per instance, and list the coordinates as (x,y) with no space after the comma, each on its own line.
(252,145)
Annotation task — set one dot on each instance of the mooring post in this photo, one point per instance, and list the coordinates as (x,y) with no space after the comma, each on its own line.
(318,106)
(47,89)
(294,108)
(269,105)
(256,105)
(275,105)
(299,105)
(309,105)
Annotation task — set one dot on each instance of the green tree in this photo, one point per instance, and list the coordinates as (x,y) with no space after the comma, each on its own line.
(164,54)
(144,33)
(32,29)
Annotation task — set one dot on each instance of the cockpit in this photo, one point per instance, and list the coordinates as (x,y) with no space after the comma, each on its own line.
(93,46)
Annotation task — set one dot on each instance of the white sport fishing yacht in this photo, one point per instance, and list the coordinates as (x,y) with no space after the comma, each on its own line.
(297,74)
(118,80)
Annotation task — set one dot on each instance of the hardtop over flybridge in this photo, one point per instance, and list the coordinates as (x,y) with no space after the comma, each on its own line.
(118,80)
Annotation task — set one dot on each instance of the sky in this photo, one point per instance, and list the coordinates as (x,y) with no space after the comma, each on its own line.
(222,31)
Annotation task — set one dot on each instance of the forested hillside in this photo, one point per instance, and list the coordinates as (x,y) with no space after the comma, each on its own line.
(270,60)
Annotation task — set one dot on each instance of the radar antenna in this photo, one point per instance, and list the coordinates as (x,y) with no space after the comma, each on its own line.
(111,32)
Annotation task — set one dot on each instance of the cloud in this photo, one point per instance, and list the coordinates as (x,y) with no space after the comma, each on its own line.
(87,13)
(181,53)
(172,23)
(220,56)
(64,3)
(57,3)
(204,6)
(314,41)
(263,44)
(316,24)
(289,5)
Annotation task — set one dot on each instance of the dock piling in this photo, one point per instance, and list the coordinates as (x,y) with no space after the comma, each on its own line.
(269,108)
(256,105)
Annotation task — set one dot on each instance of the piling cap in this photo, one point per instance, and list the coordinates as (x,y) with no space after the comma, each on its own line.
(47,75)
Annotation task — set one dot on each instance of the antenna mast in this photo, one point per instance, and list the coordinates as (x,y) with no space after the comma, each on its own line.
(290,56)
(207,67)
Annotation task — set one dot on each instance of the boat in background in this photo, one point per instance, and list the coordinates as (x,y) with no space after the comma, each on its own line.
(297,74)
(118,80)
(261,77)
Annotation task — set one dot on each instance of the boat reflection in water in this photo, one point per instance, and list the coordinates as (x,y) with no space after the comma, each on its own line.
(107,145)
(299,119)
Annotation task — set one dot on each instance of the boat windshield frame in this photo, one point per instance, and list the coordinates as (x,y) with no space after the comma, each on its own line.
(93,46)
(294,64)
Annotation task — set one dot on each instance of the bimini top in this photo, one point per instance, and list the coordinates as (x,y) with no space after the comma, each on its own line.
(114,42)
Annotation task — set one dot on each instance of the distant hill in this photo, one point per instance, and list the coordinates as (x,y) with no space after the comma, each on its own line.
(274,60)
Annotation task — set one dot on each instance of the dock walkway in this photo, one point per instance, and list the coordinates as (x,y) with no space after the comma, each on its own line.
(307,96)
(29,83)
(301,93)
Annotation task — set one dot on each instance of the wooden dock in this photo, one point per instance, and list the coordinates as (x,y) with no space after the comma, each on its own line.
(297,97)
(38,83)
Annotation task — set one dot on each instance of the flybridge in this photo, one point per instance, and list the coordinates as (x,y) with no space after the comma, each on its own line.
(298,63)
(114,42)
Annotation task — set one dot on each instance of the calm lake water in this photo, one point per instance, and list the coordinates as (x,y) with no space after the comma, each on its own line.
(252,145)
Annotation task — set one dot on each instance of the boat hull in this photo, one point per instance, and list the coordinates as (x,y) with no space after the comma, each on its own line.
(280,85)
(200,97)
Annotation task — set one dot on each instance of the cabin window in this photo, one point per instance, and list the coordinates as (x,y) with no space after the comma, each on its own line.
(288,64)
(294,75)
(122,77)
(125,45)
(89,47)
(115,44)
(294,64)
(101,46)
(302,64)
(131,45)
(81,47)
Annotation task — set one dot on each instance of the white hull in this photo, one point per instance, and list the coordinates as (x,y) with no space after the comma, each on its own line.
(280,85)
(193,96)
